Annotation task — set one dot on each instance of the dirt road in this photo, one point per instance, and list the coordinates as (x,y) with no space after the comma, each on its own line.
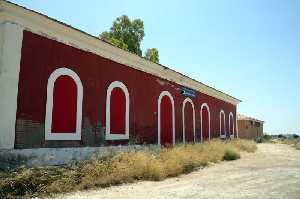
(272,172)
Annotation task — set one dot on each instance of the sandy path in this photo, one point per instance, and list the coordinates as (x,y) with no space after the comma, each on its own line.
(272,172)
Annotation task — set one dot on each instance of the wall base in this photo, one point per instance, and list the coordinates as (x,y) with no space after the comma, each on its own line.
(13,158)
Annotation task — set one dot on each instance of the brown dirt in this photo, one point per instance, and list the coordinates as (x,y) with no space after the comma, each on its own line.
(272,172)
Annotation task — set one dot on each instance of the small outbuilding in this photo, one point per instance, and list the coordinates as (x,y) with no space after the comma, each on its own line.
(249,128)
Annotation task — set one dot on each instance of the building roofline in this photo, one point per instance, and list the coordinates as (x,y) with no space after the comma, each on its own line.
(247,118)
(25,16)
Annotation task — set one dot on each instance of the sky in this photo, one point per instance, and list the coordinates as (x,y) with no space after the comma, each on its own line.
(249,49)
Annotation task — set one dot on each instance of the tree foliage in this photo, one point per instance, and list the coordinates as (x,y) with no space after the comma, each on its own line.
(152,55)
(116,42)
(128,35)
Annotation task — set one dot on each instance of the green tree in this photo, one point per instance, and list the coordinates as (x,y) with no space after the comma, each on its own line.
(126,34)
(152,55)
(116,42)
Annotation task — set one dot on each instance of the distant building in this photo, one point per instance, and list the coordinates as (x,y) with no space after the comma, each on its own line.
(249,128)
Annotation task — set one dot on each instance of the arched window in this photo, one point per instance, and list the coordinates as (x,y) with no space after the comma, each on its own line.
(205,121)
(63,106)
(188,125)
(117,112)
(165,119)
(222,124)
(231,125)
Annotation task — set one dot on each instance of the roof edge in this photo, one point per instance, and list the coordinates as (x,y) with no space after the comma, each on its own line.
(49,27)
(247,118)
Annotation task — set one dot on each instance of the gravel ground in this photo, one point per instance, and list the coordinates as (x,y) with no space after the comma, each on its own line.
(272,172)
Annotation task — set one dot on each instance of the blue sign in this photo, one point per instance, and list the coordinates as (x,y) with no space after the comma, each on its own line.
(188,92)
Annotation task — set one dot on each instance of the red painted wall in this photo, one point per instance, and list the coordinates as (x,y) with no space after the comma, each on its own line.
(41,56)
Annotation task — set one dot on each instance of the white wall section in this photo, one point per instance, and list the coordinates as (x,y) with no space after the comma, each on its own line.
(11,36)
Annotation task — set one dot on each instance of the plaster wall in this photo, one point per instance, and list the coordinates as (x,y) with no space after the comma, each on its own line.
(10,54)
(11,158)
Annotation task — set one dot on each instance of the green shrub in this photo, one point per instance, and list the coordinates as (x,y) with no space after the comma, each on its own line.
(231,154)
(281,136)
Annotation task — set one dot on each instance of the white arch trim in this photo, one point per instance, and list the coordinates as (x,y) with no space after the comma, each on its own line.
(108,134)
(183,118)
(231,119)
(224,133)
(49,106)
(201,112)
(162,94)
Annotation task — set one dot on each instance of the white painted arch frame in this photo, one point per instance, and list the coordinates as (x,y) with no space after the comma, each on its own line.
(183,118)
(231,119)
(108,134)
(162,94)
(222,112)
(49,106)
(201,122)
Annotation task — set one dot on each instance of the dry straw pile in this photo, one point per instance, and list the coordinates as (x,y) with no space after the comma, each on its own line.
(121,168)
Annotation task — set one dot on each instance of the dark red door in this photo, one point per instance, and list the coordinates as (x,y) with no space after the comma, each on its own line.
(64,105)
(222,124)
(231,124)
(117,111)
(166,121)
(188,122)
(205,124)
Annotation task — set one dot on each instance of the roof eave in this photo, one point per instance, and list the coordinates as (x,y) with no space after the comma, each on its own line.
(40,24)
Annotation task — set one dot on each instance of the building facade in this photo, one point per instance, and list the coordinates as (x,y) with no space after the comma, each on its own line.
(249,128)
(61,87)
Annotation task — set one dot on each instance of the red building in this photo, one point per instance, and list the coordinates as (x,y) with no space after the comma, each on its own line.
(61,87)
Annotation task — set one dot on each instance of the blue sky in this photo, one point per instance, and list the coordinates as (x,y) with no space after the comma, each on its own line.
(249,49)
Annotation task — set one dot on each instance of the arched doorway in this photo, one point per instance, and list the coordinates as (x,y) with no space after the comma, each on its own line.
(205,122)
(231,125)
(117,111)
(166,119)
(188,121)
(63,106)
(222,124)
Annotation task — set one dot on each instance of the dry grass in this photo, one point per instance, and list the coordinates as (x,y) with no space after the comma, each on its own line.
(294,142)
(244,145)
(122,168)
